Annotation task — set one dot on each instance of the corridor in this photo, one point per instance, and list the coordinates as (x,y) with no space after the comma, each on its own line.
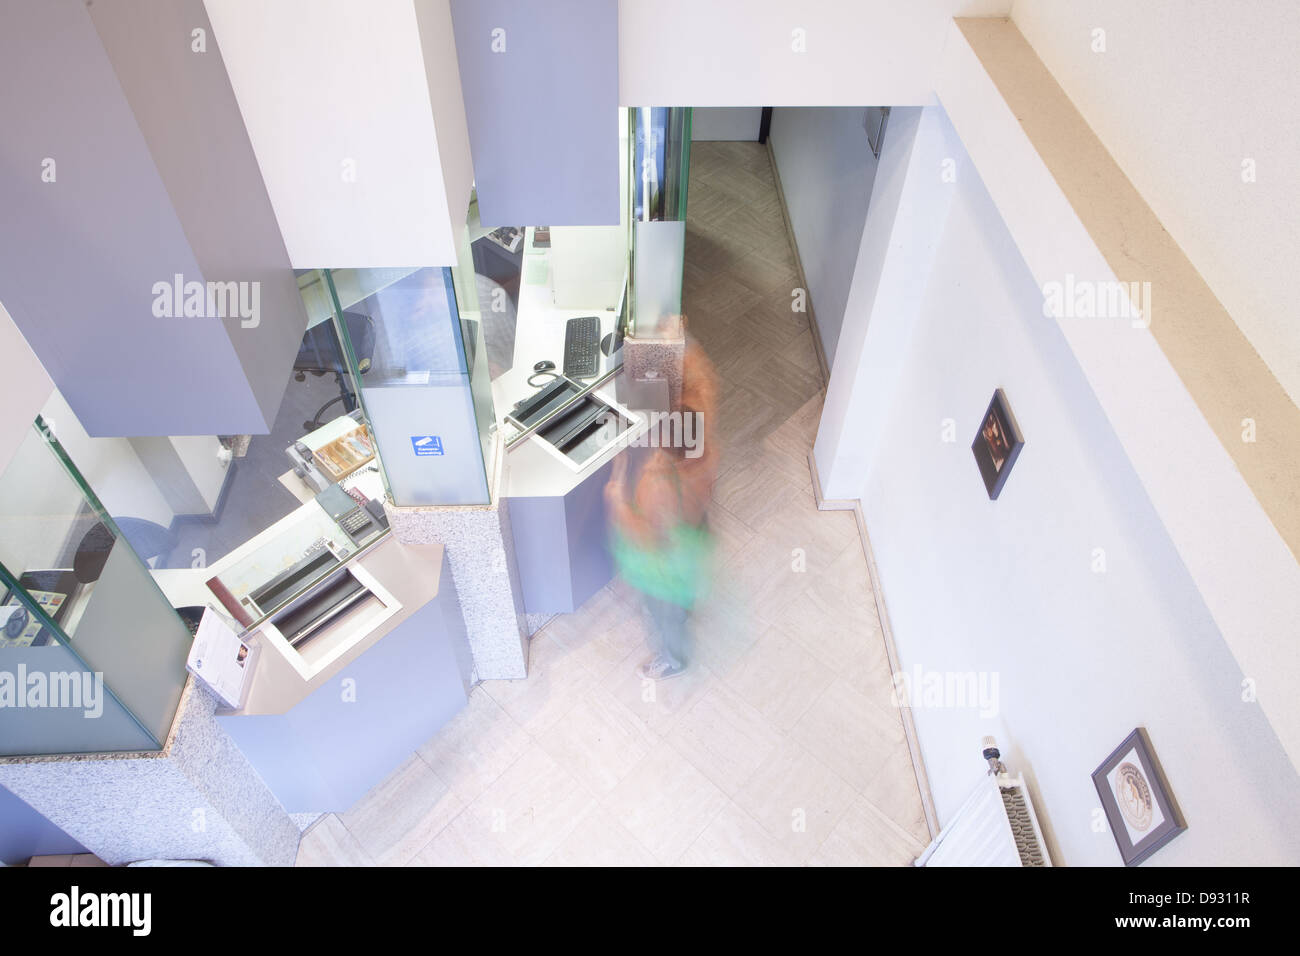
(781,745)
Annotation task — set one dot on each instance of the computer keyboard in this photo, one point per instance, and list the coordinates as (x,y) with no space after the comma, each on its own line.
(582,347)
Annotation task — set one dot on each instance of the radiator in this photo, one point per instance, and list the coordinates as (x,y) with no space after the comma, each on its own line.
(996,826)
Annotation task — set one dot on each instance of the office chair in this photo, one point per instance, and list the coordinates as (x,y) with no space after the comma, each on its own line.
(146,538)
(321,353)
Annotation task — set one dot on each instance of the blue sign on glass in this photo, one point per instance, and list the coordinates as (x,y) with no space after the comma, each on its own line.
(426,445)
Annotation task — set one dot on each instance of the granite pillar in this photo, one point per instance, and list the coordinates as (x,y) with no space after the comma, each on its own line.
(196,799)
(481,552)
(647,362)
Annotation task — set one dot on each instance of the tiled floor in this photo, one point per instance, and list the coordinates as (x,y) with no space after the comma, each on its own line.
(781,745)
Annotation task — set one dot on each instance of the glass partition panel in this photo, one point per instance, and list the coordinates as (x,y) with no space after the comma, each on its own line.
(661,164)
(92,655)
(473,329)
(657,278)
(555,307)
(424,388)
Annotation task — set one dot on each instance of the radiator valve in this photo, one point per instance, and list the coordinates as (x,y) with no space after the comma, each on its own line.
(994,757)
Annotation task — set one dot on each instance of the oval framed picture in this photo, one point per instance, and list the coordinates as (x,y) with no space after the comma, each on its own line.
(1139,805)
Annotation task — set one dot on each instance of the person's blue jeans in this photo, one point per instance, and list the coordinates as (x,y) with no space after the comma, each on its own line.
(670,635)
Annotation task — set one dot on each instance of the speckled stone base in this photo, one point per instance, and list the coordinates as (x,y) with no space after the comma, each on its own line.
(197,799)
(535,622)
(305,820)
(655,359)
(481,552)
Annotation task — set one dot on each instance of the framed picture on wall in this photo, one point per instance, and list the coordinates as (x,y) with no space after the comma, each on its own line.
(1139,805)
(997,444)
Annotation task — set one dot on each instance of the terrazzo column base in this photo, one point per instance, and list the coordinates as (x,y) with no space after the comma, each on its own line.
(304,821)
(535,622)
(655,359)
(197,799)
(480,550)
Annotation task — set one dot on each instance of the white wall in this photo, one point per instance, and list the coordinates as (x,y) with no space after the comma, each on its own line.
(718,123)
(451,131)
(37,507)
(740,52)
(589,263)
(1182,95)
(39,501)
(321,82)
(110,466)
(1244,570)
(909,205)
(27,495)
(200,456)
(24,387)
(826,170)
(1008,587)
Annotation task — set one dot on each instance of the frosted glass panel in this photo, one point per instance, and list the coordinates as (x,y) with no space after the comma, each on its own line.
(657,278)
(131,633)
(428,442)
(92,656)
(426,390)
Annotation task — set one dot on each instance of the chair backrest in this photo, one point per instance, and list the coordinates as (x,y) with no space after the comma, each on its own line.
(320,350)
(146,538)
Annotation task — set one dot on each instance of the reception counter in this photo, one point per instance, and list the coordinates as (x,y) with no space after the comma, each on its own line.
(557,509)
(322,736)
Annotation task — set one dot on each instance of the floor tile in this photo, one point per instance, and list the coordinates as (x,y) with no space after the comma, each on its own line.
(658,704)
(753,496)
(328,843)
(724,737)
(724,628)
(610,627)
(796,798)
(892,790)
(475,747)
(598,741)
(779,678)
(864,838)
(464,842)
(849,734)
(600,840)
(532,807)
(394,820)
(556,680)
(665,802)
(734,838)
(730,534)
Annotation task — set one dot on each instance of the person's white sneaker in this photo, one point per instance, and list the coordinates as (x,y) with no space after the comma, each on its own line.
(659,668)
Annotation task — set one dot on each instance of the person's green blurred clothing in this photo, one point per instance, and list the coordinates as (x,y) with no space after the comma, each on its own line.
(676,571)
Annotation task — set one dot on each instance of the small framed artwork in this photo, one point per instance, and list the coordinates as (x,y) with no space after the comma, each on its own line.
(998,444)
(1139,805)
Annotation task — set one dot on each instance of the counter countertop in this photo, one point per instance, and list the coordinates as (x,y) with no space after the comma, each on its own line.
(532,470)
(408,572)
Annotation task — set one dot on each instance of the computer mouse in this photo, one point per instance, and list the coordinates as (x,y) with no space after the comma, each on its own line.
(545,365)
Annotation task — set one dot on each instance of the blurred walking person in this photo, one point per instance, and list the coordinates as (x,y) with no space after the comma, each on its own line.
(661,543)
